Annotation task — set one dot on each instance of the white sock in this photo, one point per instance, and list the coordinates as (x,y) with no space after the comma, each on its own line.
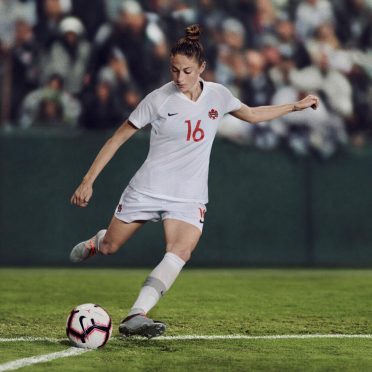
(157,283)
(99,236)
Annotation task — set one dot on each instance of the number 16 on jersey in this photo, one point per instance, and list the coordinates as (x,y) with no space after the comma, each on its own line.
(197,134)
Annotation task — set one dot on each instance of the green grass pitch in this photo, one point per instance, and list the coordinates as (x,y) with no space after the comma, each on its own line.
(36,302)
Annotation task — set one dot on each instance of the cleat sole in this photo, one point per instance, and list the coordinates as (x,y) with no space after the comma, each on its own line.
(148,330)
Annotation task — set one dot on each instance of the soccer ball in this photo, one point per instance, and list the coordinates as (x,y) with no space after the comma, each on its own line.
(88,326)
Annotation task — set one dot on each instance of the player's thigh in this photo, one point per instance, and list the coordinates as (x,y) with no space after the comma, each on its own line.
(118,233)
(181,237)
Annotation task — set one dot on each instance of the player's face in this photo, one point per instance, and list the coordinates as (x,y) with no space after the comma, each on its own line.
(185,72)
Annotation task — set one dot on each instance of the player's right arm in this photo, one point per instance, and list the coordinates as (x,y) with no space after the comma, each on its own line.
(84,192)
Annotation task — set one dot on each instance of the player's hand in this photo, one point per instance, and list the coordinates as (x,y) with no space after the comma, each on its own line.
(309,101)
(82,194)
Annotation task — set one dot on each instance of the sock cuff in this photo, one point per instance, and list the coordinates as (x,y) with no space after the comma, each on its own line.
(99,236)
(175,259)
(155,283)
(136,310)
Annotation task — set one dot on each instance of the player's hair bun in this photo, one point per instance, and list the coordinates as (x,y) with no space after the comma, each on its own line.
(193,32)
(190,45)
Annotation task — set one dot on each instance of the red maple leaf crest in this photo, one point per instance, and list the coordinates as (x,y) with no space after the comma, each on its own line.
(213,114)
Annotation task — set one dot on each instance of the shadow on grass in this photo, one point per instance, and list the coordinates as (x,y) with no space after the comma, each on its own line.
(128,343)
(131,342)
(65,343)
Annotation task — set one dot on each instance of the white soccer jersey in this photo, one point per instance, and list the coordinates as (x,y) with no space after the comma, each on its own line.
(182,135)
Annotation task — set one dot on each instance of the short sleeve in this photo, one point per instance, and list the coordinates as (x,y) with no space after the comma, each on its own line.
(146,111)
(231,103)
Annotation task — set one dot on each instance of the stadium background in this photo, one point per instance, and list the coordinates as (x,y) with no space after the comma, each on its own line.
(294,191)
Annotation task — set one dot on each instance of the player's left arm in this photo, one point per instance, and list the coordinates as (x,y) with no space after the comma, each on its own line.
(264,113)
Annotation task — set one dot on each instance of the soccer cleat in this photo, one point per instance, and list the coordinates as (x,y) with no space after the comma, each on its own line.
(86,249)
(141,325)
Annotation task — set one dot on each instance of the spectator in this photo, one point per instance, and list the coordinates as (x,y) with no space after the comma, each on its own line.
(256,88)
(362,97)
(264,22)
(113,8)
(245,12)
(50,113)
(50,14)
(116,72)
(353,22)
(310,14)
(325,41)
(139,38)
(69,55)
(92,20)
(100,110)
(289,44)
(366,39)
(25,56)
(320,131)
(230,60)
(176,16)
(279,73)
(322,77)
(50,105)
(321,45)
(123,89)
(270,51)
(210,16)
(10,12)
(129,98)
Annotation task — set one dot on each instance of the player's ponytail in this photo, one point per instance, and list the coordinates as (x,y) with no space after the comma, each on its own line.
(189,45)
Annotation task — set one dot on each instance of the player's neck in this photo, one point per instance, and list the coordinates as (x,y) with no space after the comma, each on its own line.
(195,93)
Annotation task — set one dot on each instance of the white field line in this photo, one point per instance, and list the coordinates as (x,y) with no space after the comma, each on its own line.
(267,337)
(19,363)
(202,337)
(33,339)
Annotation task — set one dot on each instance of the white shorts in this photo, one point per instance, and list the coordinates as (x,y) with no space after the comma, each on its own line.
(135,206)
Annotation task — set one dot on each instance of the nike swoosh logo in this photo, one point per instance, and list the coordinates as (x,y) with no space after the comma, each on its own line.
(172,114)
(81,322)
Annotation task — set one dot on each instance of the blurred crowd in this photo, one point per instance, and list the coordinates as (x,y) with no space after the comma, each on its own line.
(88,63)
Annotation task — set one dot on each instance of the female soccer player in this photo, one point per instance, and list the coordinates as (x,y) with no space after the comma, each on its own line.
(172,184)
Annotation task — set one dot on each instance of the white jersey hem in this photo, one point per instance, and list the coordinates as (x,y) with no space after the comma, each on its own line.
(167,197)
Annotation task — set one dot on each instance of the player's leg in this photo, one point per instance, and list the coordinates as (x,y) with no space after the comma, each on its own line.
(106,242)
(181,239)
(118,233)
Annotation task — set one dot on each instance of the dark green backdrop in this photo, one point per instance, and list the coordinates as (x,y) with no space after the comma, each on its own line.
(266,208)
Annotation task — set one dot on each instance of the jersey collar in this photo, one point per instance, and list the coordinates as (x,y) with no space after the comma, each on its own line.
(183,96)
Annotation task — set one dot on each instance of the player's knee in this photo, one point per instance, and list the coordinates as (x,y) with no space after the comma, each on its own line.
(184,255)
(106,247)
(181,252)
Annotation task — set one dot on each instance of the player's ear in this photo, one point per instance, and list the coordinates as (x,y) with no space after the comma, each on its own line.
(202,67)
